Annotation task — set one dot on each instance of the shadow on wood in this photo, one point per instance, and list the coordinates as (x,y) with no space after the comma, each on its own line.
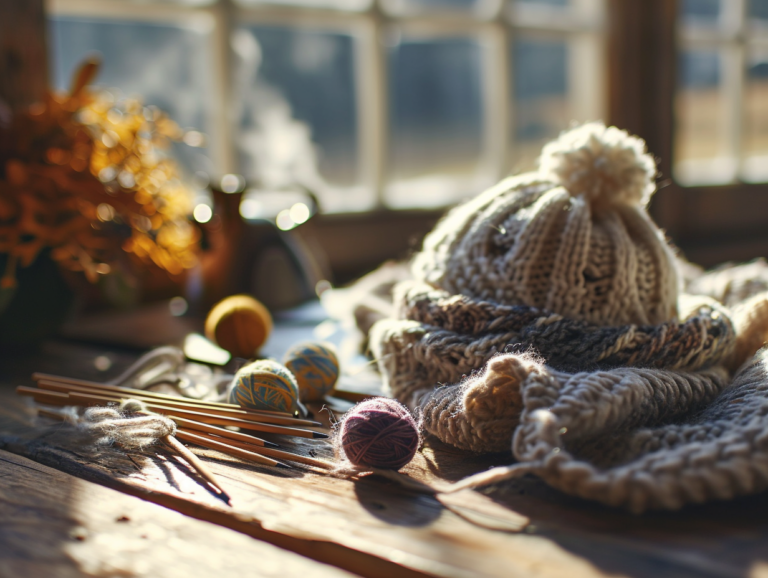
(401,507)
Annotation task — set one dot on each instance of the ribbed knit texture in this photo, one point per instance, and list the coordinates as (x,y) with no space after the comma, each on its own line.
(545,317)
(448,340)
(587,254)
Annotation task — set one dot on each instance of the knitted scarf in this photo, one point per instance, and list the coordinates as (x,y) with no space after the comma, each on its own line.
(449,339)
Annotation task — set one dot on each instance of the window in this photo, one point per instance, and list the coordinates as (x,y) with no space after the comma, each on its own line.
(395,103)
(701,111)
(722,116)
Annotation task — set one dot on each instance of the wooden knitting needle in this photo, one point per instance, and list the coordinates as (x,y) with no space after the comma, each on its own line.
(82,399)
(60,385)
(42,396)
(273,453)
(213,444)
(353,396)
(179,448)
(180,403)
(207,417)
(226,437)
(244,441)
(133,392)
(198,466)
(185,423)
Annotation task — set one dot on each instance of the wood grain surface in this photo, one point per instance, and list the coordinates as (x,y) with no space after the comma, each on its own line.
(54,524)
(373,527)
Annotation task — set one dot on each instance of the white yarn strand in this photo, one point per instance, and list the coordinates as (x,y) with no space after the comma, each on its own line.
(133,432)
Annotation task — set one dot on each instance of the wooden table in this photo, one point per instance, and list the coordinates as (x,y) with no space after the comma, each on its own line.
(68,510)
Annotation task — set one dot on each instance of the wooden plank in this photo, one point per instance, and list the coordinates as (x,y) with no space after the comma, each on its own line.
(57,525)
(367,527)
(375,528)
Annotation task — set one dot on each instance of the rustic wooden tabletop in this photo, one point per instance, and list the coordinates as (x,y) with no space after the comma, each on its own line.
(69,509)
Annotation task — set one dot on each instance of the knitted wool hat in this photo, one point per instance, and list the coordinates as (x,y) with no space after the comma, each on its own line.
(563,263)
(573,238)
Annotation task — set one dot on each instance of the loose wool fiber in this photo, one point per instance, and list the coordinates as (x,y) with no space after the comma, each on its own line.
(265,384)
(316,368)
(379,433)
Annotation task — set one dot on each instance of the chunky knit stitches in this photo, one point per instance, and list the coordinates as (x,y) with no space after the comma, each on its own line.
(607,436)
(532,241)
(732,284)
(449,339)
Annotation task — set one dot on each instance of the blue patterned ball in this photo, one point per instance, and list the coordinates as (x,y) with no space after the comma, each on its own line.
(265,384)
(316,368)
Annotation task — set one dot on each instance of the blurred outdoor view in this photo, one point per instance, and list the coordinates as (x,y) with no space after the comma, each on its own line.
(294,100)
(722,102)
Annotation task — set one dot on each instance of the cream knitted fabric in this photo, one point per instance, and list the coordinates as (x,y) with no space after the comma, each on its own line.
(573,237)
(455,342)
(744,288)
(732,284)
(641,439)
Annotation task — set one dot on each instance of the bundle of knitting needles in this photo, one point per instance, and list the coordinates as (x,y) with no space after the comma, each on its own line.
(203,423)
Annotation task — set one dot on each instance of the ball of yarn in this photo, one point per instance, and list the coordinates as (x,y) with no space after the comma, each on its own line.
(239,324)
(605,165)
(379,433)
(316,368)
(265,384)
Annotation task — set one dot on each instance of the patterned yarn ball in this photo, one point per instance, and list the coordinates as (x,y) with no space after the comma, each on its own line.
(265,384)
(316,368)
(379,433)
(239,324)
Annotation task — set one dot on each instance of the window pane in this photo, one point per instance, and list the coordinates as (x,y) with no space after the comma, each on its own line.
(181,2)
(701,134)
(166,65)
(336,4)
(421,6)
(435,120)
(557,14)
(540,92)
(555,3)
(702,12)
(297,112)
(758,9)
(756,117)
(460,4)
(139,3)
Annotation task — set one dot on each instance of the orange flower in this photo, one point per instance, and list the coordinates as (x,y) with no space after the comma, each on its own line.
(88,178)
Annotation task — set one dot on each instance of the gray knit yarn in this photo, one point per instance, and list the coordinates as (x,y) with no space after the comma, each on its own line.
(454,342)
(643,439)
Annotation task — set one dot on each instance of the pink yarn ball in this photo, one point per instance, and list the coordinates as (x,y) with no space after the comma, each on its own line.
(379,433)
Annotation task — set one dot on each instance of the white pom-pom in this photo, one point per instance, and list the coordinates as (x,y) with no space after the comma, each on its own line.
(605,165)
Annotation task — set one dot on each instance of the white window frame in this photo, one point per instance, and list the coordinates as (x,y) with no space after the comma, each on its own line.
(731,38)
(494,23)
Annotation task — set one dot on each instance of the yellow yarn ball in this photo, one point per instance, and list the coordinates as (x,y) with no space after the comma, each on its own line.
(316,367)
(239,324)
(265,384)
